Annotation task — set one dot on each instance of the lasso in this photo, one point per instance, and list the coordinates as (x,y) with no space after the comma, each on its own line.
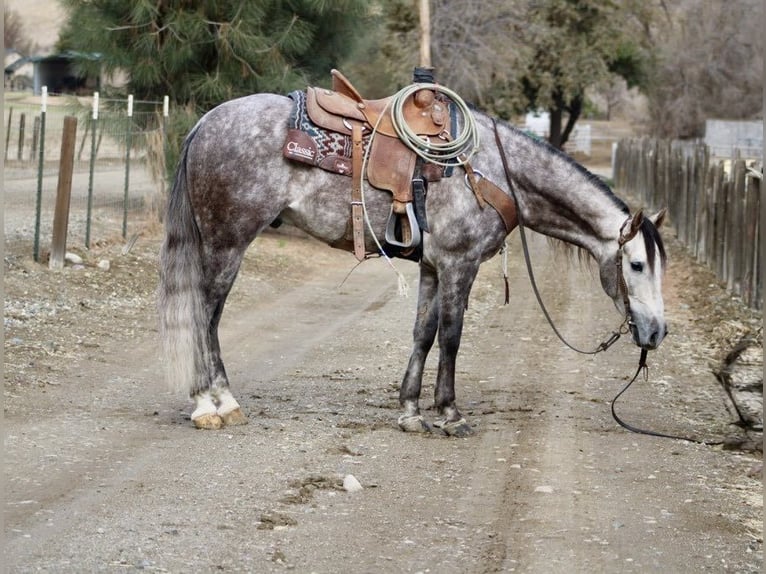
(442,152)
(445,152)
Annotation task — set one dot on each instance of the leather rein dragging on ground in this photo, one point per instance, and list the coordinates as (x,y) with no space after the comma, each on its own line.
(622,287)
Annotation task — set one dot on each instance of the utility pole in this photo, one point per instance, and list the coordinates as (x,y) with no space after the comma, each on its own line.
(425,34)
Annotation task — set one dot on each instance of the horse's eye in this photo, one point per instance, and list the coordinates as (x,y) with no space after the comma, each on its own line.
(637,266)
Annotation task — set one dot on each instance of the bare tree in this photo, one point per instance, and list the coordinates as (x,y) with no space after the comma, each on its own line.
(473,46)
(476,44)
(14,36)
(524,55)
(711,65)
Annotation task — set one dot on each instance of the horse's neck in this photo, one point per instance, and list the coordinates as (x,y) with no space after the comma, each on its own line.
(560,199)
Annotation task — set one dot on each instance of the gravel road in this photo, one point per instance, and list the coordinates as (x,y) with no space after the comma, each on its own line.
(105,473)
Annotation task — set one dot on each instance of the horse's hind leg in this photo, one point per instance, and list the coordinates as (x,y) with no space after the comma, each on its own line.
(424,334)
(227,406)
(215,405)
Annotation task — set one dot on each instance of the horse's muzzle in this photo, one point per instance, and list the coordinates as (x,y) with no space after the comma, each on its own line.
(650,338)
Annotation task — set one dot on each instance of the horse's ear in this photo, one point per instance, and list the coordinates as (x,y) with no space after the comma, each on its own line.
(659,217)
(631,226)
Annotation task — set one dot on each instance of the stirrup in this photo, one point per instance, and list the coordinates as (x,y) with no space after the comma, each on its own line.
(391,228)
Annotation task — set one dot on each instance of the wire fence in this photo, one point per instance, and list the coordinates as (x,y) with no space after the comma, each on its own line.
(118,174)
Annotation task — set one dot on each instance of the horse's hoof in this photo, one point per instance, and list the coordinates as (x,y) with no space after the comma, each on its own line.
(208,422)
(414,423)
(234,418)
(459,428)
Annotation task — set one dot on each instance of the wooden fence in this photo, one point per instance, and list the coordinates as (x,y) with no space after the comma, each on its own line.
(713,204)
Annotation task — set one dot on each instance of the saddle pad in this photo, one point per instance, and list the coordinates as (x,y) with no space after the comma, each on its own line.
(308,143)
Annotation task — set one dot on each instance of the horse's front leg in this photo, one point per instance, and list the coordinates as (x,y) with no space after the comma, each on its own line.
(423,334)
(455,284)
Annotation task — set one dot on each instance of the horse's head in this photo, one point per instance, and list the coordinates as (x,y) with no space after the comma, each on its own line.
(633,278)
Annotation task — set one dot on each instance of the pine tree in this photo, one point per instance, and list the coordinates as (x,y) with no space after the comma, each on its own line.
(201,53)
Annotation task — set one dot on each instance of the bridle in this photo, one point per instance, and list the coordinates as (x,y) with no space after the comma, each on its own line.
(622,286)
(627,232)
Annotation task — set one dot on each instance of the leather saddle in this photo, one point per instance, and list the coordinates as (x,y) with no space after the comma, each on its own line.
(335,109)
(390,165)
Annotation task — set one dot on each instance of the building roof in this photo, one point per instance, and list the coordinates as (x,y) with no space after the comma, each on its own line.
(68,55)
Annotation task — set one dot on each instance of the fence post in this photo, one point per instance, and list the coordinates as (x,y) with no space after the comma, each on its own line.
(701,157)
(720,217)
(22,128)
(751,213)
(35,138)
(724,211)
(757,278)
(691,202)
(683,190)
(93,124)
(735,245)
(665,174)
(40,166)
(127,168)
(656,176)
(165,114)
(63,194)
(8,132)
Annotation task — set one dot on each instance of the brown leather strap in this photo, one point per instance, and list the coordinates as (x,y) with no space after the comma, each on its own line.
(501,203)
(357,213)
(487,192)
(471,175)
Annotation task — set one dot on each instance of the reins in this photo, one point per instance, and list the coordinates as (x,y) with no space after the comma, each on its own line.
(622,287)
(643,367)
(623,328)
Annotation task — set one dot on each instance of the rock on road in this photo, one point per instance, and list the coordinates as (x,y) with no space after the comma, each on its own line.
(104,472)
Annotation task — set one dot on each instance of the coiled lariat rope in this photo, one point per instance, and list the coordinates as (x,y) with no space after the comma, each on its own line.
(445,152)
(441,151)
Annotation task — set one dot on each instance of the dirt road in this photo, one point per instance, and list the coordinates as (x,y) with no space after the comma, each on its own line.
(104,472)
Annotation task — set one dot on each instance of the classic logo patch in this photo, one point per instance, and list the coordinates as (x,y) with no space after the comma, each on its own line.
(300,147)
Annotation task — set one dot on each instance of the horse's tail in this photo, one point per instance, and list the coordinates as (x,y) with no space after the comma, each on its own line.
(183,320)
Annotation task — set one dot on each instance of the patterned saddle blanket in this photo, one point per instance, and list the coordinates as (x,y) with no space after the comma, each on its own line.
(308,143)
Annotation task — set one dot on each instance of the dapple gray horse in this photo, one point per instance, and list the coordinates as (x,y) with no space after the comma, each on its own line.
(232,182)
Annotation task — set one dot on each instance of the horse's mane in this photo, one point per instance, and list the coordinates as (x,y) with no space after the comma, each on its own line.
(591,178)
(652,238)
(652,243)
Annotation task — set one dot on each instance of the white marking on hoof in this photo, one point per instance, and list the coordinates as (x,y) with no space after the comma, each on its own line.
(205,415)
(204,405)
(229,409)
(226,402)
(413,423)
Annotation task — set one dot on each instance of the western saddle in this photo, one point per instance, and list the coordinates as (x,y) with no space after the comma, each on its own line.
(391,165)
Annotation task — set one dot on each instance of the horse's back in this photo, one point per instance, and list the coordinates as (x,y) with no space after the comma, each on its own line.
(235,166)
(243,122)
